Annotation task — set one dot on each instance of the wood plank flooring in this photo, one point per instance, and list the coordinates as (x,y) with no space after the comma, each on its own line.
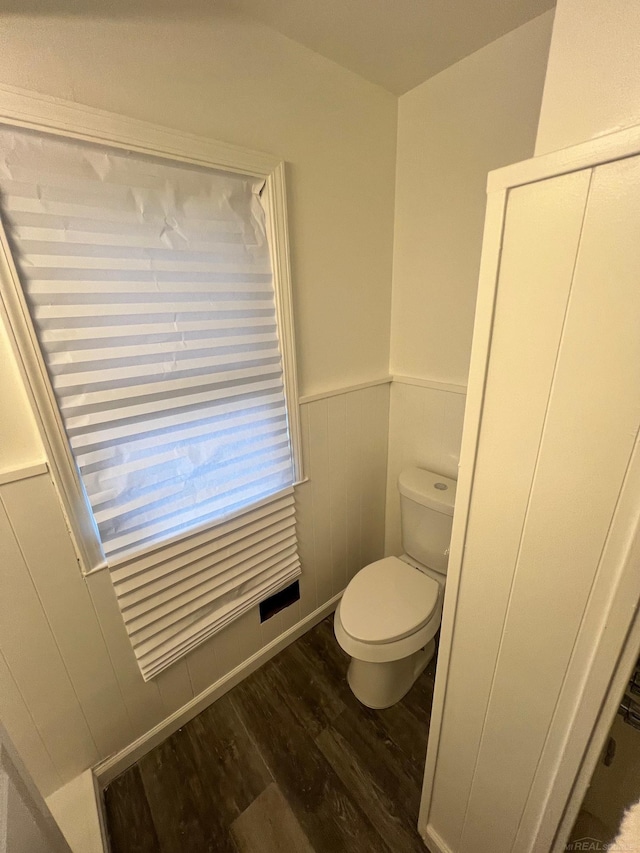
(287,762)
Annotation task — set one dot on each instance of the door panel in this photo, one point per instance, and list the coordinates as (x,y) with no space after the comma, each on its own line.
(560,418)
(26,824)
(540,245)
(590,427)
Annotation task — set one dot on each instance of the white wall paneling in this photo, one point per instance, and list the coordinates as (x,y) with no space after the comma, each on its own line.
(425,429)
(320,502)
(30,647)
(525,368)
(26,736)
(279,623)
(174,685)
(305,525)
(26,824)
(72,693)
(337,453)
(143,701)
(521,371)
(372,481)
(355,549)
(539,557)
(32,505)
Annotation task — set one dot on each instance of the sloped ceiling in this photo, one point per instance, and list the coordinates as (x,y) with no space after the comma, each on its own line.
(396,44)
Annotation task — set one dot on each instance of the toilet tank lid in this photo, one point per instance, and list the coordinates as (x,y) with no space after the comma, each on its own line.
(429,489)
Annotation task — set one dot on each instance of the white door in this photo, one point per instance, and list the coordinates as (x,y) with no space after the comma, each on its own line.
(559,423)
(26,825)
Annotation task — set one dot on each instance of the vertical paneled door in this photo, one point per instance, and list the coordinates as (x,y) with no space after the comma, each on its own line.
(26,824)
(546,471)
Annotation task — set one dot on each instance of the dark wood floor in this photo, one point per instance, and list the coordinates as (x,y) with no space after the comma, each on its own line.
(288,761)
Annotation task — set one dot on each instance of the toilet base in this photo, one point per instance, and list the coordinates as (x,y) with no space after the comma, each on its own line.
(382,684)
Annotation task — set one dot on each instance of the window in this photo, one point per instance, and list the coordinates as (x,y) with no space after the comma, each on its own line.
(150,289)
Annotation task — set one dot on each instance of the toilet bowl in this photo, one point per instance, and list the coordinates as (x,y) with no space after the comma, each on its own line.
(386,621)
(390,612)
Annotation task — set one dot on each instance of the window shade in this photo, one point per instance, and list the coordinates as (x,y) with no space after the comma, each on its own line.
(150,288)
(167,599)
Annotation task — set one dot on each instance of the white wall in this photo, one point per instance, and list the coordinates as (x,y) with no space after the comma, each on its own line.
(20,443)
(70,690)
(593,80)
(425,429)
(235,80)
(479,114)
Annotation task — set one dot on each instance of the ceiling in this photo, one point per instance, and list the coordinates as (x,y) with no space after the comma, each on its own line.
(396,44)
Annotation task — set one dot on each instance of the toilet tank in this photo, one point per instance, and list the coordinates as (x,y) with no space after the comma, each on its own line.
(426,506)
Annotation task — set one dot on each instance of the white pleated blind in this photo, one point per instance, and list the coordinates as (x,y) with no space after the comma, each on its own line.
(150,289)
(168,597)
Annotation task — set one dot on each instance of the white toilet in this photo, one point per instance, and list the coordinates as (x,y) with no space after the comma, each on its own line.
(390,611)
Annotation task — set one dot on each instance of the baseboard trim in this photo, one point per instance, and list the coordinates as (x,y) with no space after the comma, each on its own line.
(107,770)
(433,841)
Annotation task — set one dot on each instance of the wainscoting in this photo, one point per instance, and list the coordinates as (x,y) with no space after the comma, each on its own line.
(71,693)
(425,429)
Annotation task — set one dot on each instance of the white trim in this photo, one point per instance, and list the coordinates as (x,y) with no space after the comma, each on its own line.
(25,473)
(347,389)
(22,108)
(107,770)
(434,842)
(489,266)
(431,383)
(17,321)
(595,152)
(77,809)
(102,818)
(278,233)
(600,733)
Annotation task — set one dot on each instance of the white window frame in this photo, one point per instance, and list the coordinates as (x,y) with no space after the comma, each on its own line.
(25,109)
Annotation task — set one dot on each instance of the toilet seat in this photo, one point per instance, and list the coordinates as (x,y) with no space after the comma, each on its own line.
(387,601)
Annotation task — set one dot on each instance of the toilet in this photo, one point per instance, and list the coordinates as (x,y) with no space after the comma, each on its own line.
(390,611)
